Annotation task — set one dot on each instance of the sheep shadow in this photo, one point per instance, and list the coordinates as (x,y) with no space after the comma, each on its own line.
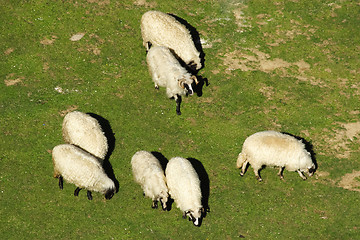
(308,147)
(201,80)
(195,37)
(109,134)
(162,159)
(204,183)
(199,87)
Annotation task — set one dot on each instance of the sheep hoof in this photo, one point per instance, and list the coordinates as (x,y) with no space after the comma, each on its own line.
(178,112)
(241,174)
(259,179)
(154,205)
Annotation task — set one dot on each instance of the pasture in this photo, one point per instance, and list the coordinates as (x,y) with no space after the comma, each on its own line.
(290,66)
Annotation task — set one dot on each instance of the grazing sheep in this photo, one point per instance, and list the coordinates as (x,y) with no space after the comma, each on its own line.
(184,187)
(150,175)
(82,169)
(161,29)
(167,72)
(272,148)
(84,131)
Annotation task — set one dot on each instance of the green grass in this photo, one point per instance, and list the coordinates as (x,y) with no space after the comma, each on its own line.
(105,73)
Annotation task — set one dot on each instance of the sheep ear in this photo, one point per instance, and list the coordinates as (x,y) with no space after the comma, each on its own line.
(182,83)
(193,77)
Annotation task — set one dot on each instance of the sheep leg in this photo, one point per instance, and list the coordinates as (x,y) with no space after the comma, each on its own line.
(89,196)
(243,169)
(257,174)
(280,173)
(61,182)
(76,192)
(154,204)
(178,102)
(301,174)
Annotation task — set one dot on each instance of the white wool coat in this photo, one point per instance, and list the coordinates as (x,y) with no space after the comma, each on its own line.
(167,72)
(149,174)
(271,148)
(184,186)
(82,130)
(79,167)
(161,29)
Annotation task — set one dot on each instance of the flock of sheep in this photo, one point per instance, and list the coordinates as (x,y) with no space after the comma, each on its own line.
(171,57)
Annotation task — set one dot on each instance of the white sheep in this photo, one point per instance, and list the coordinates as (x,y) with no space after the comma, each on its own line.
(81,168)
(184,187)
(161,29)
(270,148)
(149,174)
(84,131)
(166,71)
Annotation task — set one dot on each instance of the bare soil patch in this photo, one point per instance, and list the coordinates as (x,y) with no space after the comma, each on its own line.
(251,59)
(145,3)
(338,145)
(351,181)
(47,41)
(8,51)
(69,109)
(11,80)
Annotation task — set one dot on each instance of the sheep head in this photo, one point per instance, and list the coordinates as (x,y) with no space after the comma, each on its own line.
(194,216)
(186,84)
(109,193)
(164,201)
(311,170)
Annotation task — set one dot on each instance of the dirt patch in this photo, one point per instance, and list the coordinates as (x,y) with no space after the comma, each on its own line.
(99,2)
(352,129)
(240,19)
(8,51)
(351,181)
(251,59)
(339,143)
(144,3)
(267,91)
(47,41)
(69,109)
(11,80)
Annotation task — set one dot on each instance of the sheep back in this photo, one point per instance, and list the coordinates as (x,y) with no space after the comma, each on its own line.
(273,148)
(184,185)
(85,131)
(80,168)
(161,29)
(149,174)
(166,71)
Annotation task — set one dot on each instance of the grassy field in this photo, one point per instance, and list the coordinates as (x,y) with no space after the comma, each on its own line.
(291,66)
